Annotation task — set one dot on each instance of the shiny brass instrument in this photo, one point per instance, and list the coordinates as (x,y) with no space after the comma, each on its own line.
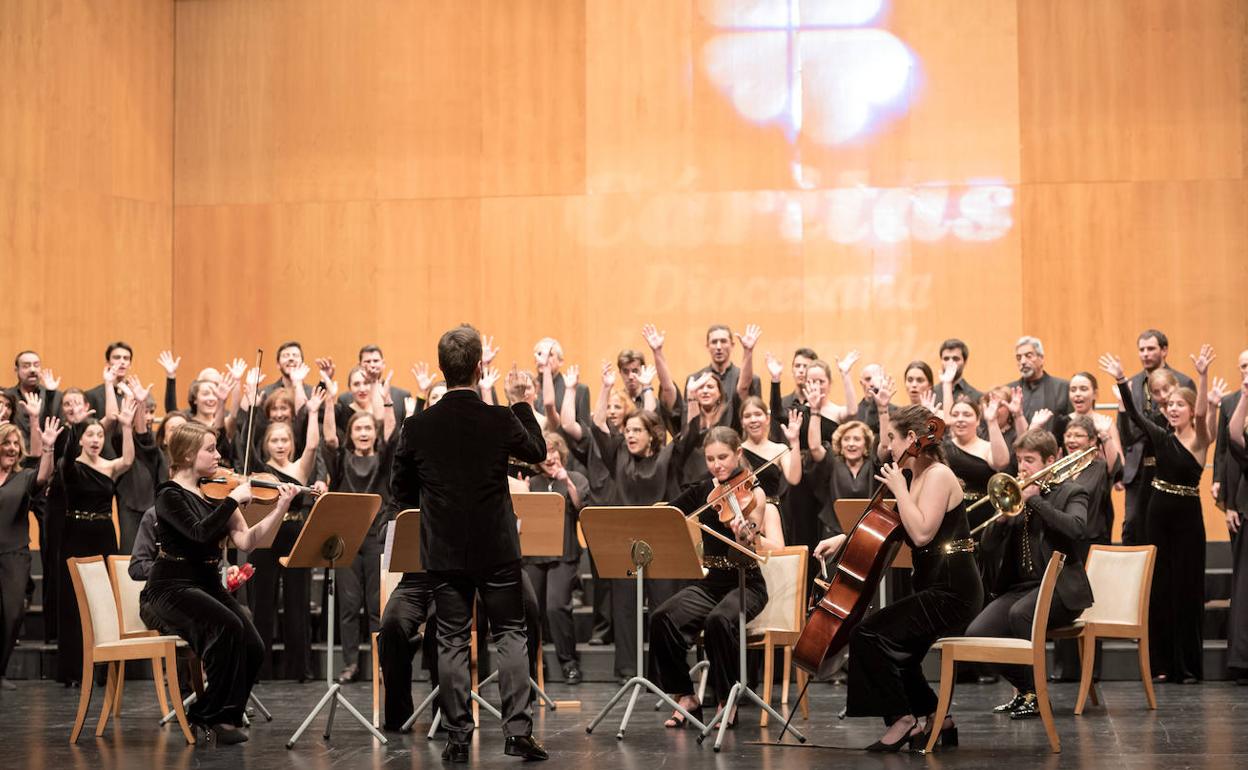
(1006,492)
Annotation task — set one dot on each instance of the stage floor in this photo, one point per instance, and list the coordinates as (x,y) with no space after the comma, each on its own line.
(1194,726)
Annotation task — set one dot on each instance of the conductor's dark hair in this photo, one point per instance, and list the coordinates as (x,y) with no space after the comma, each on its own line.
(459,352)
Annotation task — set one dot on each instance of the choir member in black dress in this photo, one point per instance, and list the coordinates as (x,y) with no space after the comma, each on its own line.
(919,383)
(953,356)
(759,449)
(184,594)
(1175,522)
(1015,550)
(711,605)
(1041,390)
(782,405)
(554,577)
(1138,459)
(887,649)
(1235,491)
(972,459)
(847,469)
(296,583)
(802,357)
(89,484)
(361,463)
(1009,417)
(22,478)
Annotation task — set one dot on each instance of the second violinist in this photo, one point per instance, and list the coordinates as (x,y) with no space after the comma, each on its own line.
(710,605)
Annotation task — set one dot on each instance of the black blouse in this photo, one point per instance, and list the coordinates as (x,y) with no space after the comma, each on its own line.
(190,527)
(16,495)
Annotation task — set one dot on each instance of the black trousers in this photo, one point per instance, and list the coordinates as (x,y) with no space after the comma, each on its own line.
(624,616)
(218,629)
(359,587)
(14,572)
(1134,520)
(552,586)
(710,607)
(502,595)
(398,639)
(295,593)
(1011,615)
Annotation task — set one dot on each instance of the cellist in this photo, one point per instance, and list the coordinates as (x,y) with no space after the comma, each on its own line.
(887,649)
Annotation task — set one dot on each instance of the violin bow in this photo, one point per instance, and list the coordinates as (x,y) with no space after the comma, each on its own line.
(251,413)
(752,474)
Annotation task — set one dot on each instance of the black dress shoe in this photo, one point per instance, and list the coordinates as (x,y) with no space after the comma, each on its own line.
(524,746)
(572,674)
(228,735)
(1028,709)
(349,674)
(1010,705)
(455,752)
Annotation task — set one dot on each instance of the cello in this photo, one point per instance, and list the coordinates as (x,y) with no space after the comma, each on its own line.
(870,548)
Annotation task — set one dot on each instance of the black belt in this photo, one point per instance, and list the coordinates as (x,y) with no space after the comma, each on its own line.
(90,515)
(166,556)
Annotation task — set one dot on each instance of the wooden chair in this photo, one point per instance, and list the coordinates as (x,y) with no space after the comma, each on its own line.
(1004,650)
(102,643)
(388,581)
(1122,580)
(780,623)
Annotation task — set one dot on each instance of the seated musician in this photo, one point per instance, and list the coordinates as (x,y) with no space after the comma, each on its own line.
(710,606)
(1014,553)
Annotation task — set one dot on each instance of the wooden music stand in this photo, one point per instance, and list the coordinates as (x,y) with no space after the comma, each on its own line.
(403,548)
(541,516)
(639,542)
(332,534)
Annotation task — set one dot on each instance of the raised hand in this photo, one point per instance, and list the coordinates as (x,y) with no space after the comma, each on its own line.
(570,376)
(223,388)
(33,405)
(1040,418)
(1217,390)
(386,393)
(1202,361)
(1112,365)
(110,375)
(316,399)
(237,367)
(654,338)
(1103,423)
(750,338)
(927,399)
(51,429)
(331,388)
(697,382)
(815,397)
(847,363)
(992,407)
(254,378)
(1016,401)
(137,389)
(488,351)
(126,415)
(515,385)
(50,380)
(409,405)
(774,367)
(949,373)
(489,376)
(424,380)
(326,367)
(793,428)
(884,392)
(168,363)
(608,375)
(299,373)
(647,375)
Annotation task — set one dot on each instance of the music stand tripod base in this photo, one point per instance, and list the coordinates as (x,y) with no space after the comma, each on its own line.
(741,690)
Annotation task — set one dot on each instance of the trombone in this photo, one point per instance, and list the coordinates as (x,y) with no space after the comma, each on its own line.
(1006,492)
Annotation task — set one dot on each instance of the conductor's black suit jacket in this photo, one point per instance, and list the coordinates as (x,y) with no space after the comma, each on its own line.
(451,463)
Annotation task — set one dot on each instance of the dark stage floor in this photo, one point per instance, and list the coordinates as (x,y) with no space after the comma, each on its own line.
(1194,726)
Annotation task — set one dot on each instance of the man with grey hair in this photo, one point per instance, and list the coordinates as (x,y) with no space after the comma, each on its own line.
(1041,390)
(871,379)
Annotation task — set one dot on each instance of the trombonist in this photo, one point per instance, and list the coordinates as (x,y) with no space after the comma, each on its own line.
(1015,551)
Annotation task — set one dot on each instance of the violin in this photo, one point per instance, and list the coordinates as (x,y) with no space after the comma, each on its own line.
(870,548)
(733,498)
(264,486)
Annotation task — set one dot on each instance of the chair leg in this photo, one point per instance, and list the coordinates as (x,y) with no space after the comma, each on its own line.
(158,678)
(175,692)
(121,687)
(1087,661)
(946,696)
(1046,709)
(804,701)
(376,685)
(84,697)
(786,675)
(110,691)
(769,673)
(1146,673)
(541,665)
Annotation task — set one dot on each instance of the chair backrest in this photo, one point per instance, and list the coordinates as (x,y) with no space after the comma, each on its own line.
(1122,579)
(126,592)
(97,608)
(785,573)
(388,581)
(1040,623)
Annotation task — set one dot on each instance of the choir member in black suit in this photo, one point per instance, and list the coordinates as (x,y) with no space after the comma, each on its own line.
(1235,493)
(1041,390)
(954,354)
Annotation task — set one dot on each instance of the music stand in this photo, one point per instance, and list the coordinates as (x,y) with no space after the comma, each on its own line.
(848,511)
(404,550)
(639,542)
(331,535)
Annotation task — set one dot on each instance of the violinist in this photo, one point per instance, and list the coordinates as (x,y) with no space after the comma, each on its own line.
(710,606)
(887,649)
(1015,552)
(184,595)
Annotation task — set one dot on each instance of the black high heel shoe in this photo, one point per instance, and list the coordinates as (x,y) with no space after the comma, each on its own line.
(905,740)
(678,721)
(948,738)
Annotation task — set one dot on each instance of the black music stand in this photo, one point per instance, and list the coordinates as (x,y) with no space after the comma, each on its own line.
(331,535)
(640,542)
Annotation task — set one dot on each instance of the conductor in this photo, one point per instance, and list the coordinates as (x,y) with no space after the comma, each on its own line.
(451,463)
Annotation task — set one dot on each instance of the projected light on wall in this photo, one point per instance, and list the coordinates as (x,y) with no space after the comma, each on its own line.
(775,59)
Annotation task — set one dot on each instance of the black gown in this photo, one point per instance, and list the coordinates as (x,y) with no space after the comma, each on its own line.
(88,531)
(296,591)
(973,471)
(709,606)
(1175,524)
(184,596)
(887,649)
(16,496)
